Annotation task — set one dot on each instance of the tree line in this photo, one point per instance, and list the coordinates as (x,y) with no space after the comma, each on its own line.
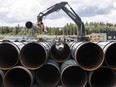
(68,29)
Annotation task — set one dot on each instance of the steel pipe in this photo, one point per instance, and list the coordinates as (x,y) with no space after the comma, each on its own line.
(29,24)
(72,75)
(60,51)
(33,55)
(18,77)
(103,77)
(48,75)
(35,85)
(87,85)
(88,55)
(109,49)
(9,54)
(1,78)
(33,26)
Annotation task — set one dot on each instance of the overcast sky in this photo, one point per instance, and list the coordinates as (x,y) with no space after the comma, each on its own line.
(13,12)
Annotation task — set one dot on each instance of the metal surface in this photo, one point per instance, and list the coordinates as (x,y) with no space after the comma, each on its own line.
(85,67)
(48,75)
(34,27)
(35,85)
(60,51)
(18,77)
(1,78)
(9,54)
(33,55)
(109,49)
(103,77)
(72,75)
(88,55)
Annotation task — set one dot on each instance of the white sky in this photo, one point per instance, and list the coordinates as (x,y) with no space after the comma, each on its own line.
(14,12)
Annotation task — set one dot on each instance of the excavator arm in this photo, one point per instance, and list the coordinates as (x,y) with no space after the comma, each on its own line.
(50,10)
(71,13)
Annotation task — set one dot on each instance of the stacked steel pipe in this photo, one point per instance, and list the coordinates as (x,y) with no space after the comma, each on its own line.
(57,64)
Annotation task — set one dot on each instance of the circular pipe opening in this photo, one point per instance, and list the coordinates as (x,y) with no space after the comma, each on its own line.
(110,56)
(18,77)
(73,76)
(8,56)
(28,24)
(89,56)
(1,81)
(1,78)
(60,52)
(35,85)
(33,55)
(47,76)
(103,77)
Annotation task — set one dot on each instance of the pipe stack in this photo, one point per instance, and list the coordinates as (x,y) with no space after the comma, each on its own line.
(57,64)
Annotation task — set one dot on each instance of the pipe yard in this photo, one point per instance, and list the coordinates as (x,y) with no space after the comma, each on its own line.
(75,60)
(57,64)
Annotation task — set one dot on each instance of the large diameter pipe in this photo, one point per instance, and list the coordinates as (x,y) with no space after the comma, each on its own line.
(29,24)
(9,54)
(109,49)
(87,85)
(88,55)
(1,78)
(33,55)
(72,75)
(60,51)
(35,85)
(103,77)
(48,75)
(18,77)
